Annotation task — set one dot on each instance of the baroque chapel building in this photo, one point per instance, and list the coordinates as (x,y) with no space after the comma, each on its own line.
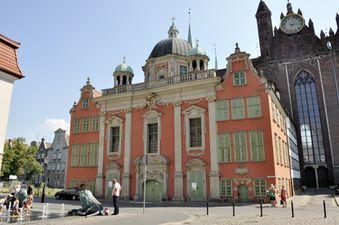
(186,133)
(305,68)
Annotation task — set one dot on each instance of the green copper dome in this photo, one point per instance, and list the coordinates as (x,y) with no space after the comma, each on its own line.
(197,51)
(123,68)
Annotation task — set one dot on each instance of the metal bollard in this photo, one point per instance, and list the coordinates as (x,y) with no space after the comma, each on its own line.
(260,208)
(207,208)
(324,208)
(292,208)
(233,209)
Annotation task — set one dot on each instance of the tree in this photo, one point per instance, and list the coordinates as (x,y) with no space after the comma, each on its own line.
(19,159)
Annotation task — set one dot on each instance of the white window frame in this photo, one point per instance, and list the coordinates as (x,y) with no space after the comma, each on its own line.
(114,122)
(151,117)
(194,112)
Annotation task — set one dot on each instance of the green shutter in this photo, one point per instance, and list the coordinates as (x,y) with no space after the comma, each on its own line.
(240,147)
(238,109)
(75,156)
(224,147)
(253,107)
(257,145)
(93,155)
(222,110)
(84,155)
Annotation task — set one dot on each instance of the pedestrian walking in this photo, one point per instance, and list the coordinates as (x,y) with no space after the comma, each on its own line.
(271,193)
(115,194)
(283,196)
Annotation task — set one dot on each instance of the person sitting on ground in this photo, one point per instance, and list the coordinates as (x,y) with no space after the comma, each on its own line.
(89,204)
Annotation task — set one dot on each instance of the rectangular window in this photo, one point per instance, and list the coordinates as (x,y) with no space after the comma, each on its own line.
(76,125)
(91,185)
(276,147)
(84,155)
(280,150)
(115,139)
(239,78)
(273,111)
(152,130)
(195,132)
(85,103)
(257,145)
(240,147)
(253,107)
(85,124)
(259,187)
(183,70)
(93,154)
(75,156)
(73,183)
(222,110)
(224,147)
(226,187)
(95,123)
(238,108)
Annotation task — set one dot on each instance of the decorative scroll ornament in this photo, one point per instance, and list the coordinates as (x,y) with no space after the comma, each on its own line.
(151,101)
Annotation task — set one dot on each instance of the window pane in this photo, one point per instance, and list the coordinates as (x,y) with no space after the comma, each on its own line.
(222,110)
(253,107)
(115,139)
(195,132)
(238,109)
(152,138)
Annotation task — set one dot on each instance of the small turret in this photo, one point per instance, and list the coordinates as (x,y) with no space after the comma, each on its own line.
(265,29)
(123,74)
(311,26)
(322,34)
(289,8)
(337,19)
(299,12)
(281,16)
(173,32)
(331,32)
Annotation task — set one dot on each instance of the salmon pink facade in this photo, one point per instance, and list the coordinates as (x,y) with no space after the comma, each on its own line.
(186,133)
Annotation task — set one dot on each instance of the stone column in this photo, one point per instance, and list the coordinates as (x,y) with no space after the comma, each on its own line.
(99,178)
(127,155)
(178,176)
(214,174)
(316,176)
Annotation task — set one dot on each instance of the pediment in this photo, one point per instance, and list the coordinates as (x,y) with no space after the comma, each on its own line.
(194,110)
(114,120)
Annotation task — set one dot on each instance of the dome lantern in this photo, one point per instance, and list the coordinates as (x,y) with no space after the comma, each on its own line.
(123,74)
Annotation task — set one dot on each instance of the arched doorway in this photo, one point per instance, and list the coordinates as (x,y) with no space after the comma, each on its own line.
(242,193)
(322,177)
(153,191)
(310,177)
(196,180)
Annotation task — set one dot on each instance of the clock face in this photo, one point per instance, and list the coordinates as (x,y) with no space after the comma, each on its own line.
(292,23)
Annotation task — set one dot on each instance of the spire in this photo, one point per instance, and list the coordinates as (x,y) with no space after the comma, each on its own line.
(88,82)
(310,25)
(215,57)
(281,16)
(337,19)
(189,38)
(299,12)
(173,31)
(262,8)
(289,7)
(124,59)
(331,32)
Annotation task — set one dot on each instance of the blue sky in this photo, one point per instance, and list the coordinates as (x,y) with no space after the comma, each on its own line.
(64,42)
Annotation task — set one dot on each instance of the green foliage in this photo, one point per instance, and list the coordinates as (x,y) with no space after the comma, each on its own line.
(19,159)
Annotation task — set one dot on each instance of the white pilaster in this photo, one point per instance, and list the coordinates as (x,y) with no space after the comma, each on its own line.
(127,155)
(214,174)
(178,176)
(99,179)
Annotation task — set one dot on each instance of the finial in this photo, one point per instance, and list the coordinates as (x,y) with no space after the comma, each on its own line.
(88,82)
(173,19)
(289,7)
(124,59)
(197,42)
(189,37)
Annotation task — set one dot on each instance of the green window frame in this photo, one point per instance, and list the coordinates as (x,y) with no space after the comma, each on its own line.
(73,183)
(276,148)
(222,107)
(226,189)
(85,103)
(95,123)
(84,155)
(85,124)
(239,78)
(115,139)
(76,125)
(224,148)
(240,147)
(93,154)
(259,187)
(280,151)
(257,145)
(253,107)
(273,111)
(238,108)
(75,156)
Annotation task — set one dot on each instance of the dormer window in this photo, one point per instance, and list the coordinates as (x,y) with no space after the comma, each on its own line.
(239,78)
(85,103)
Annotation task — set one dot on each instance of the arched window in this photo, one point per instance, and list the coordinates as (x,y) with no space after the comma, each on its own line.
(309,118)
(124,80)
(118,80)
(202,65)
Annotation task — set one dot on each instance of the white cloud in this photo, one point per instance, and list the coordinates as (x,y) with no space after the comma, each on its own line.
(48,127)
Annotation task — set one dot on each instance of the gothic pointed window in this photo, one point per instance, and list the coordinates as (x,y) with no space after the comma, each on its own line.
(309,118)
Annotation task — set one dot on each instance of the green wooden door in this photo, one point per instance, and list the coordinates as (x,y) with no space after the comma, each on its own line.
(196,186)
(153,191)
(109,182)
(243,193)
